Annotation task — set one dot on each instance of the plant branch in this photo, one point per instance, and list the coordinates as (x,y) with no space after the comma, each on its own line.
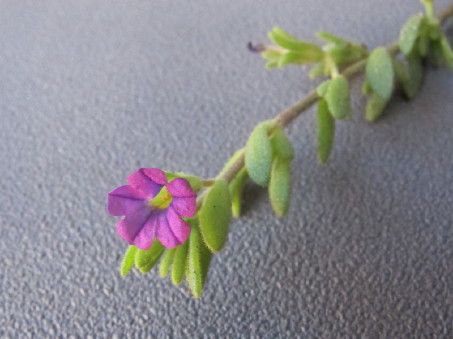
(286,116)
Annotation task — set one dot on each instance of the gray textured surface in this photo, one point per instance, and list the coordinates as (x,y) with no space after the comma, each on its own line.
(92,90)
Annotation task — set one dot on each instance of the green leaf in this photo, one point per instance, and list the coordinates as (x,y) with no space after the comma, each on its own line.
(178,267)
(258,154)
(280,186)
(374,107)
(379,72)
(414,78)
(215,216)
(317,70)
(281,146)
(195,182)
(423,39)
(198,260)
(128,260)
(323,87)
(166,261)
(366,88)
(338,99)
(146,259)
(280,37)
(446,51)
(236,187)
(409,34)
(325,131)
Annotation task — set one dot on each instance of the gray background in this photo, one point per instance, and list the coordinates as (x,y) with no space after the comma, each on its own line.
(92,90)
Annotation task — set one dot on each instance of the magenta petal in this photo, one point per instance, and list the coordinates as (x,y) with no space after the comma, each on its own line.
(185,207)
(180,188)
(148,180)
(172,230)
(138,228)
(124,200)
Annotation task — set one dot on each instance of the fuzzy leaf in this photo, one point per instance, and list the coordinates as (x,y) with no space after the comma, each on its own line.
(366,88)
(379,72)
(128,260)
(178,267)
(198,260)
(236,187)
(338,99)
(215,216)
(323,87)
(146,259)
(280,186)
(281,146)
(325,131)
(166,261)
(258,154)
(414,74)
(374,107)
(409,34)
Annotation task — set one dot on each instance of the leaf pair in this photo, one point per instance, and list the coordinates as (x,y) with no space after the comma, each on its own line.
(268,163)
(335,103)
(379,82)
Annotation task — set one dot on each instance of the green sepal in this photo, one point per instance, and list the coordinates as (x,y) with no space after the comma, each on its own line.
(195,182)
(280,37)
(322,88)
(166,261)
(215,216)
(374,107)
(409,34)
(379,72)
(178,267)
(236,187)
(128,260)
(258,154)
(446,51)
(271,54)
(280,186)
(307,56)
(146,259)
(317,70)
(334,39)
(198,259)
(281,145)
(325,131)
(338,98)
(271,64)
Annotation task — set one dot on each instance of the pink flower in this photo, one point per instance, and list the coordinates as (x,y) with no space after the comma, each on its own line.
(153,208)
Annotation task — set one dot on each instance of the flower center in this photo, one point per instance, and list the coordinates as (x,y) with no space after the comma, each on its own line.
(162,200)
